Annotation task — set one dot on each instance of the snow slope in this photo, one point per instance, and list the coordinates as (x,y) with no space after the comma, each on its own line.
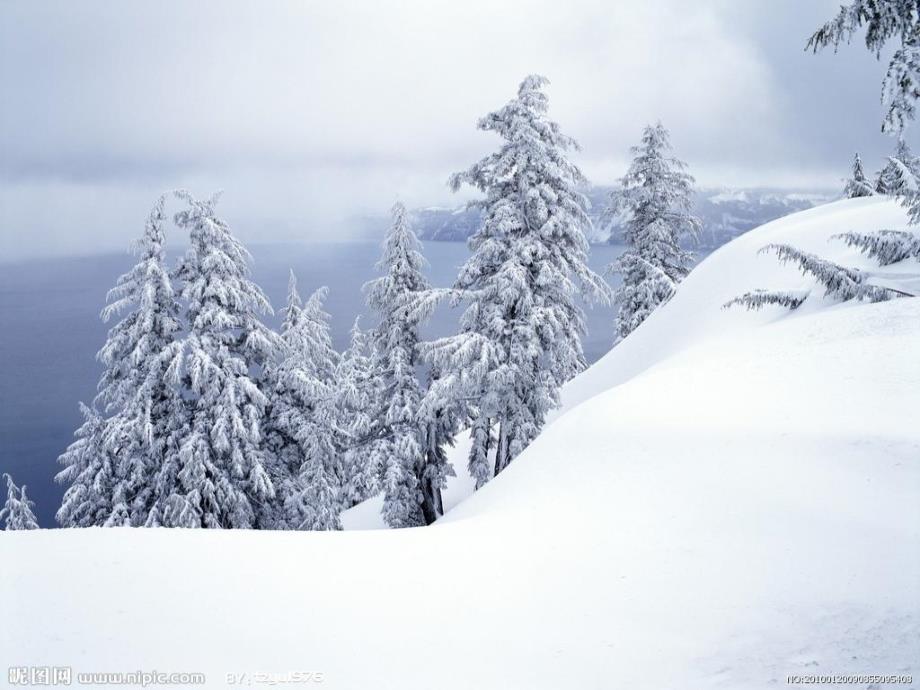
(694,316)
(729,498)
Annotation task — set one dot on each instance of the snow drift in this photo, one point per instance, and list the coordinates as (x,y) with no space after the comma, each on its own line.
(728,498)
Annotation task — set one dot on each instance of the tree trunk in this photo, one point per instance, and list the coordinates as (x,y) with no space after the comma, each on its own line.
(501,451)
(432,505)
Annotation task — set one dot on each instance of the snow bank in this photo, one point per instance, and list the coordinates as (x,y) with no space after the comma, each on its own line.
(695,315)
(729,498)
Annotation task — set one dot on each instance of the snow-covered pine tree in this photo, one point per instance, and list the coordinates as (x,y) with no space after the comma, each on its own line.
(357,396)
(520,336)
(411,487)
(657,193)
(895,178)
(17,511)
(89,472)
(138,388)
(220,476)
(280,443)
(884,20)
(301,431)
(320,438)
(858,185)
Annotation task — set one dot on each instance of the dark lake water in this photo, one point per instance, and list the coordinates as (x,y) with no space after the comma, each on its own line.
(50,332)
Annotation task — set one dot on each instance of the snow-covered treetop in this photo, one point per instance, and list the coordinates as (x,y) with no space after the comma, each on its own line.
(402,259)
(222,299)
(17,511)
(657,189)
(884,20)
(858,185)
(392,294)
(315,337)
(150,326)
(531,190)
(307,358)
(294,305)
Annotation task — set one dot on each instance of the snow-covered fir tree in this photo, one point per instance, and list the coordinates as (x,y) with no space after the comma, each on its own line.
(278,383)
(320,438)
(357,397)
(520,336)
(142,361)
(112,465)
(411,486)
(302,433)
(895,178)
(17,510)
(89,473)
(884,20)
(858,185)
(219,476)
(657,194)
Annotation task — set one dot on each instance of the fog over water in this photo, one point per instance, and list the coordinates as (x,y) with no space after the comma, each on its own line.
(310,114)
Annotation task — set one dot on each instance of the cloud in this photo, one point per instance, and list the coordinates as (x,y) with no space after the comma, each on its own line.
(309,113)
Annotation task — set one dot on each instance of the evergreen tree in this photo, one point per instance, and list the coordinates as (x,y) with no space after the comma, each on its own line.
(357,396)
(895,179)
(17,511)
(857,185)
(142,360)
(520,336)
(220,474)
(302,433)
(89,471)
(411,487)
(884,20)
(111,467)
(320,438)
(657,193)
(280,384)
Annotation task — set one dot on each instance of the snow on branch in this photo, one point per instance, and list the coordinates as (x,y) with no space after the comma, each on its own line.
(839,282)
(758,299)
(885,246)
(884,20)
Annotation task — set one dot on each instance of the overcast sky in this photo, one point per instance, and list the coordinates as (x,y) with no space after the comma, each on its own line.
(310,113)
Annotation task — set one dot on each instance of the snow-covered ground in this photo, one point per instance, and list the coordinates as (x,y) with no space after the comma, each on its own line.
(727,498)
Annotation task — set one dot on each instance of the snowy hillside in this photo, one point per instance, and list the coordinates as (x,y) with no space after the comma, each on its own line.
(728,498)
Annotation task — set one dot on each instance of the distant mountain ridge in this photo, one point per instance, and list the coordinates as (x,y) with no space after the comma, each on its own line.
(725,214)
